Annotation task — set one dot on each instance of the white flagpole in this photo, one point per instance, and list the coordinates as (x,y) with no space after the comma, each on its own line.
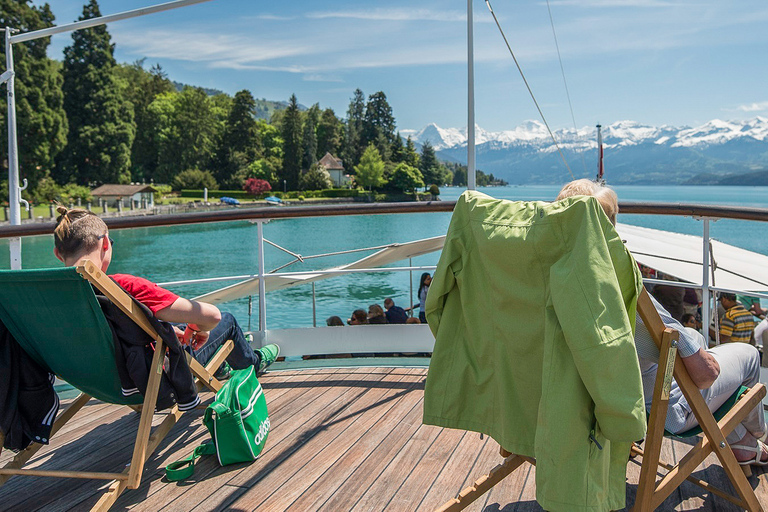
(471,182)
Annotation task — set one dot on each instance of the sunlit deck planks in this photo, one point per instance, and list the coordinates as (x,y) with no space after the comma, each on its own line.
(342,439)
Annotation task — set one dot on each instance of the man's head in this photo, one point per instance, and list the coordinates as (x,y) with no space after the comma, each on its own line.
(80,234)
(728,300)
(388,303)
(604,195)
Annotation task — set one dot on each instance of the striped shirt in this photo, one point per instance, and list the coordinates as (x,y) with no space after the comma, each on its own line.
(689,342)
(738,324)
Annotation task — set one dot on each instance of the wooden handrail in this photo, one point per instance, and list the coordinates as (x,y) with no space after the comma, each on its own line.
(266,213)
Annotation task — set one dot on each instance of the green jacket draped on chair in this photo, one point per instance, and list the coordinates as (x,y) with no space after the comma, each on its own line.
(532,306)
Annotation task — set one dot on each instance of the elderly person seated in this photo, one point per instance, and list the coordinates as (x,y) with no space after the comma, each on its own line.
(718,372)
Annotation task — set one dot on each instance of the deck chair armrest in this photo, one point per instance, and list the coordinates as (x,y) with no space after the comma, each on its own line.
(88,270)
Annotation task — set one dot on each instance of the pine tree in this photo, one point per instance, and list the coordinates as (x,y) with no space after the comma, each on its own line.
(411,157)
(379,123)
(397,150)
(309,139)
(329,134)
(355,117)
(239,145)
(291,132)
(428,165)
(101,129)
(41,123)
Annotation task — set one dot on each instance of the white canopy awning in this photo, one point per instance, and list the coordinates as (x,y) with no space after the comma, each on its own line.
(680,256)
(671,253)
(391,254)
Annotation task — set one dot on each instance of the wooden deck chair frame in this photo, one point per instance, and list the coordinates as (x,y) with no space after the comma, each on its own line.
(147,440)
(650,493)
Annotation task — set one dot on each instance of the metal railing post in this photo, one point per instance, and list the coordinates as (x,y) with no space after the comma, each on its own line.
(314,307)
(410,285)
(14,192)
(262,284)
(705,299)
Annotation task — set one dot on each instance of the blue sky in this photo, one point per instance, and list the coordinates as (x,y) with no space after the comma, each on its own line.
(652,61)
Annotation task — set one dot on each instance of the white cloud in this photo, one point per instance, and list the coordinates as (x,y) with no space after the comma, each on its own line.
(754,107)
(393,15)
(316,77)
(614,3)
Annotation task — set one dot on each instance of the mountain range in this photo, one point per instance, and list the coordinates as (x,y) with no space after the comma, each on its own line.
(717,152)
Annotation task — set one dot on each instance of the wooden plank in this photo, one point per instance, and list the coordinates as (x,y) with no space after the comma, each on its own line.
(386,484)
(455,472)
(321,399)
(342,434)
(368,471)
(312,434)
(426,471)
(359,461)
(281,396)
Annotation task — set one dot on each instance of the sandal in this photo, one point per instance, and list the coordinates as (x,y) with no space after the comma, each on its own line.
(758,450)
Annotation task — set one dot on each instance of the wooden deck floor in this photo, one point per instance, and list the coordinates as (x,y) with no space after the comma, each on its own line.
(341,439)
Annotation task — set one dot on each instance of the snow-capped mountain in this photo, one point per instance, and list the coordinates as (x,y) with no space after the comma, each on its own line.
(634,152)
(621,133)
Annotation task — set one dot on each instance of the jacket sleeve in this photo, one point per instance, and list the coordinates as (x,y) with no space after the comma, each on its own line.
(591,294)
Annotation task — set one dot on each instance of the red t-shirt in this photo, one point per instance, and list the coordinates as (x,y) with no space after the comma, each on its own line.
(146,292)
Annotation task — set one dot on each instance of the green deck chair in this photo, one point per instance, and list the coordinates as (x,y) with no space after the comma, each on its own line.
(55,317)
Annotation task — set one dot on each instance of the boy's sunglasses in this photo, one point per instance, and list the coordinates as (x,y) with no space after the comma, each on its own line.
(111,242)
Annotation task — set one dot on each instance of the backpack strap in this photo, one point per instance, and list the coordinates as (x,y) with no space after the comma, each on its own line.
(184,468)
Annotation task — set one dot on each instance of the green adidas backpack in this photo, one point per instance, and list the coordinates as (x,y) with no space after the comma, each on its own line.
(238,422)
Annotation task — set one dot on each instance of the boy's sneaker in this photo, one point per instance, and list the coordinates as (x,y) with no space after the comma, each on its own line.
(267,355)
(224,372)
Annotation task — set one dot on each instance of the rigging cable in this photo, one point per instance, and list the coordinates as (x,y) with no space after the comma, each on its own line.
(565,82)
(488,3)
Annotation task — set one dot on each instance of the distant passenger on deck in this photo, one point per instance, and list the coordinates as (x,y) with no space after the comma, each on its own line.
(395,314)
(334,321)
(359,317)
(376,315)
(80,235)
(717,372)
(737,324)
(424,283)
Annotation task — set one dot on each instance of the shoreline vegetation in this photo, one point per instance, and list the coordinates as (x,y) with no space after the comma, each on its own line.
(89,120)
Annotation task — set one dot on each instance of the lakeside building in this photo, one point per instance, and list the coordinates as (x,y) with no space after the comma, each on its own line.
(141,195)
(335,168)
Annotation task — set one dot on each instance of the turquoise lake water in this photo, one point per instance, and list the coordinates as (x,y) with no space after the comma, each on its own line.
(224,249)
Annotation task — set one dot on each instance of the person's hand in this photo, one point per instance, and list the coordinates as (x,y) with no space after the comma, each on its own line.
(195,337)
(757,310)
(179,334)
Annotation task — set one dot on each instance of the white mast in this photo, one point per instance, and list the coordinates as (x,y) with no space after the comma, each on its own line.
(471,183)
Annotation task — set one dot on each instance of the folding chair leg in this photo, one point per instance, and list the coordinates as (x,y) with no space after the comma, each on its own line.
(204,374)
(485,483)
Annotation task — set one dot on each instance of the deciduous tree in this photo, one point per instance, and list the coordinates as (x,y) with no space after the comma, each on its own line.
(406,178)
(370,171)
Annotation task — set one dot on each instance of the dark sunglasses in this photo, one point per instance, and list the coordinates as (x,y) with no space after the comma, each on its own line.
(111,242)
